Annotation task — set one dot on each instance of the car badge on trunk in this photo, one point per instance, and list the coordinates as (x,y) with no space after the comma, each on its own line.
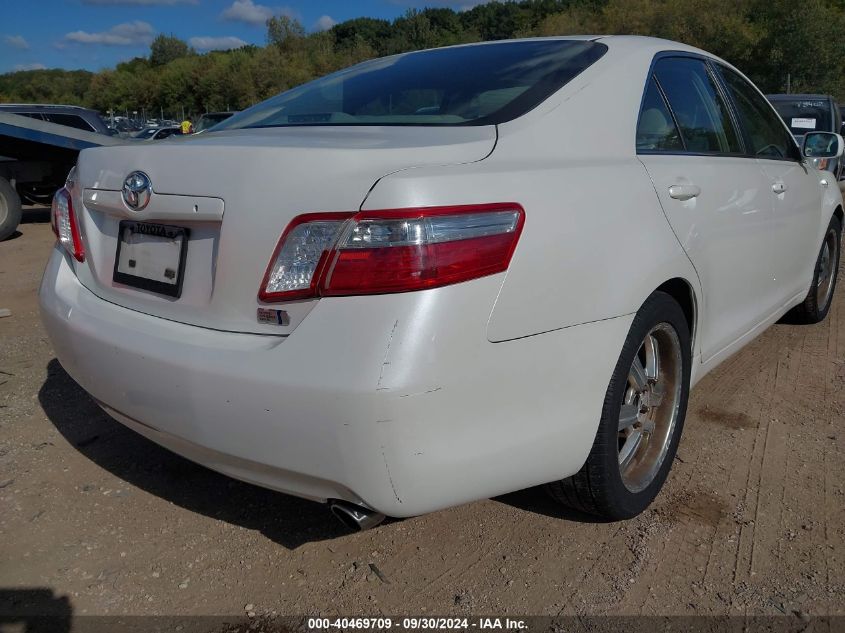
(137,190)
(273,317)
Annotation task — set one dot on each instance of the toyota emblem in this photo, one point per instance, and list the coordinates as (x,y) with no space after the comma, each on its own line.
(137,190)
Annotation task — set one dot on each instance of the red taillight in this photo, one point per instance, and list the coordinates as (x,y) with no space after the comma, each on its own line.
(65,225)
(400,250)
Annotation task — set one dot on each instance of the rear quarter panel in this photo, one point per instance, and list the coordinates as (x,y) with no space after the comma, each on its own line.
(595,242)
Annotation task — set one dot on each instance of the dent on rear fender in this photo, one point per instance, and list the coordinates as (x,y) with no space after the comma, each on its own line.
(384,377)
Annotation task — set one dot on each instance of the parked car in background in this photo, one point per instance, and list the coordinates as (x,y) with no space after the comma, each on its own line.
(71,116)
(805,113)
(156,133)
(210,119)
(469,309)
(123,127)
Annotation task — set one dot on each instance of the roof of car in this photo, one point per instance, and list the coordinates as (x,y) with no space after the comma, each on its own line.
(46,106)
(644,41)
(624,44)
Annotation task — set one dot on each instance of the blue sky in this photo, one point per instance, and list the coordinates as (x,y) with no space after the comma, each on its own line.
(96,34)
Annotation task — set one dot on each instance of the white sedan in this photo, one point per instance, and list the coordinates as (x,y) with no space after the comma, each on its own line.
(445,275)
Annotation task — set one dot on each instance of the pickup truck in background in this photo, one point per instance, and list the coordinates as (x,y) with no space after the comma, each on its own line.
(38,146)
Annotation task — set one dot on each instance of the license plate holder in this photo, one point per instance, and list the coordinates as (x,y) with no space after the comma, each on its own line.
(151,256)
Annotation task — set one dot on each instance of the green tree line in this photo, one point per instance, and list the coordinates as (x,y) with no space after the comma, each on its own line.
(773,41)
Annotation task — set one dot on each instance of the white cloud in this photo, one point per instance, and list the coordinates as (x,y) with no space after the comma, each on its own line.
(142,3)
(251,13)
(324,23)
(16,41)
(126,34)
(247,11)
(35,66)
(225,43)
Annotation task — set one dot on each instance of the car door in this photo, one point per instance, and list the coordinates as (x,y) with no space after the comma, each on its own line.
(796,187)
(714,196)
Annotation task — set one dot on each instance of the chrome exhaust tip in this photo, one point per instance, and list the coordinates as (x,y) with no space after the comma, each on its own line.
(355,517)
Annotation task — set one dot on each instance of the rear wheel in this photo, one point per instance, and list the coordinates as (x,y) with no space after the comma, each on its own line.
(10,209)
(816,305)
(642,417)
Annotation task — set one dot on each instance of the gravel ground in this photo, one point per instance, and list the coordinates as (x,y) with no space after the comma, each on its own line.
(750,521)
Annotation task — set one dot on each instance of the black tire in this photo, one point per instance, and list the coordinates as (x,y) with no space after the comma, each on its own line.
(812,310)
(598,488)
(10,209)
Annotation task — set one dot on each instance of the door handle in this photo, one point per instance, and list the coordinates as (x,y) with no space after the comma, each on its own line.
(684,192)
(823,182)
(779,187)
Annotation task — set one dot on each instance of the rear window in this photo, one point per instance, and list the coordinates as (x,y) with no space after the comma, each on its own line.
(465,85)
(805,115)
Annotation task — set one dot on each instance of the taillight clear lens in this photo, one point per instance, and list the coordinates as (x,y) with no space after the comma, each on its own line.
(65,225)
(299,256)
(391,251)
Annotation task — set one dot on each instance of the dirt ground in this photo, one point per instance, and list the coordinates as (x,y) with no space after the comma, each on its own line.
(751,521)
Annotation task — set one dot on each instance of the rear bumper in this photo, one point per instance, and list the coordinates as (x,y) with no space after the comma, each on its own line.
(397,402)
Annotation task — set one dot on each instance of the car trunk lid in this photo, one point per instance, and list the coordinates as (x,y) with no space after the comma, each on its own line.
(235,192)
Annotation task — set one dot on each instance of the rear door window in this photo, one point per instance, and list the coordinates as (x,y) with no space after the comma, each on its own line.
(656,129)
(701,112)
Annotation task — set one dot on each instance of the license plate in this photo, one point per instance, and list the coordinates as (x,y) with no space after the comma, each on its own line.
(151,257)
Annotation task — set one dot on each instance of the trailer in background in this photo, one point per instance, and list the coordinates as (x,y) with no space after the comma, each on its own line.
(35,158)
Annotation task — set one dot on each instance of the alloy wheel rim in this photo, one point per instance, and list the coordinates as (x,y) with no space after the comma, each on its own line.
(826,276)
(649,410)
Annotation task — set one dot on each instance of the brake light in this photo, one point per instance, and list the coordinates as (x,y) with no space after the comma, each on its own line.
(65,225)
(400,250)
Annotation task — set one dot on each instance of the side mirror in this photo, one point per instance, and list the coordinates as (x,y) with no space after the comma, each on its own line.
(823,145)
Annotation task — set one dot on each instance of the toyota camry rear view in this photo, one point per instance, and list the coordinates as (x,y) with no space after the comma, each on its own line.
(445,275)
